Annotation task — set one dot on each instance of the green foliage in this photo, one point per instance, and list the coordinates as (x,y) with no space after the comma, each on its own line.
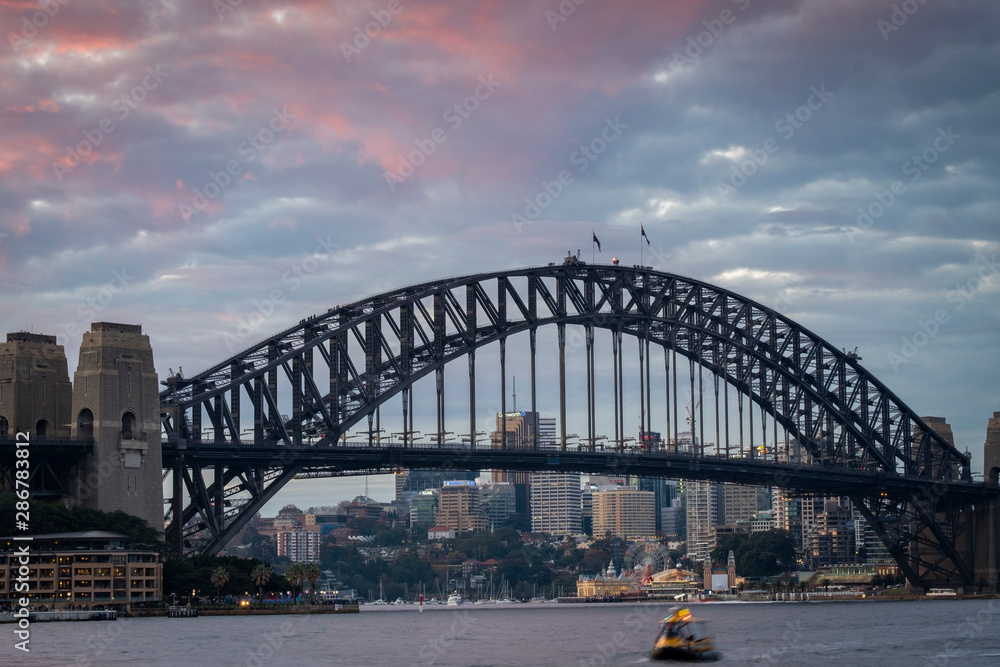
(390,536)
(761,554)
(570,558)
(484,546)
(595,561)
(259,546)
(182,575)
(219,577)
(518,522)
(57,518)
(364,525)
(735,542)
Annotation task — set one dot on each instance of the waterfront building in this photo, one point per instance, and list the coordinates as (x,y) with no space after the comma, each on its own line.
(667,584)
(89,567)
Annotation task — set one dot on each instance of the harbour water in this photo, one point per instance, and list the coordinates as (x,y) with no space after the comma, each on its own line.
(933,632)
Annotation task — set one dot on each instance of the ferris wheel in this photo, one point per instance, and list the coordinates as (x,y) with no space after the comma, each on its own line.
(646,558)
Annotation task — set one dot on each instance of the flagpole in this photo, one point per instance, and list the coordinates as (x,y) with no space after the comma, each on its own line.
(593,235)
(640,245)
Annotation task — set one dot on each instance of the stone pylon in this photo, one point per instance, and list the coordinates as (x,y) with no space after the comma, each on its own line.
(116,401)
(991,450)
(35,391)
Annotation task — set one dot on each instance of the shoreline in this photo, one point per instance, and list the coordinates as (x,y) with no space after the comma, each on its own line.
(820,598)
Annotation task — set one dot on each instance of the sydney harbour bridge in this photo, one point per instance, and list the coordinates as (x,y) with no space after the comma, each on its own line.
(761,399)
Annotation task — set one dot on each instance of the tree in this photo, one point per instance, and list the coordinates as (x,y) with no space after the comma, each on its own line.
(387,536)
(220,576)
(295,575)
(595,561)
(260,575)
(735,542)
(364,525)
(311,573)
(825,583)
(765,554)
(518,522)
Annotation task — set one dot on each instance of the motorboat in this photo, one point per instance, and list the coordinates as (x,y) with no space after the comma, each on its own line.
(683,637)
(454,600)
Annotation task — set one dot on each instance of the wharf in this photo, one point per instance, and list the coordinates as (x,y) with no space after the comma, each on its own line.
(42,616)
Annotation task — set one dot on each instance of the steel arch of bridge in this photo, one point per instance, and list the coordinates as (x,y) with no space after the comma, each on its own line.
(377,348)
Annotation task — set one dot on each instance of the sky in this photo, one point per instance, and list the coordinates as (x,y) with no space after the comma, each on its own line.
(218,171)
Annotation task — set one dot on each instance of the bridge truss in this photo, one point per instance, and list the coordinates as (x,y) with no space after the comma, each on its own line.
(300,392)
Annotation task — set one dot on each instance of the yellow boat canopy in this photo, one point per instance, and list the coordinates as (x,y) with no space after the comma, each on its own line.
(681,615)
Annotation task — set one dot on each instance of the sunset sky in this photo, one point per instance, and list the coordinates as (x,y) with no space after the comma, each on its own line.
(174,163)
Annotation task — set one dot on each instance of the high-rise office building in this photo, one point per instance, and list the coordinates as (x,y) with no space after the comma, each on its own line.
(497,502)
(832,541)
(625,513)
(423,507)
(514,431)
(298,544)
(555,503)
(700,498)
(547,433)
(664,493)
(740,503)
(411,482)
(459,507)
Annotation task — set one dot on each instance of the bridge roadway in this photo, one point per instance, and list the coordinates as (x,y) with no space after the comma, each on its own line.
(332,459)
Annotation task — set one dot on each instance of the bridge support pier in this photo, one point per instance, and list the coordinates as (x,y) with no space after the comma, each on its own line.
(986,535)
(176,536)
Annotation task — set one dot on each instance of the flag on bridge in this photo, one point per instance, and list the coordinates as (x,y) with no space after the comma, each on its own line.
(597,241)
(643,235)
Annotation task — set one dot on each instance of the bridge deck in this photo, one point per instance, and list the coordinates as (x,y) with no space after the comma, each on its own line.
(338,458)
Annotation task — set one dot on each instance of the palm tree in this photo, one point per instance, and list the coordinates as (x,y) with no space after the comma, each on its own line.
(295,575)
(311,573)
(219,578)
(261,574)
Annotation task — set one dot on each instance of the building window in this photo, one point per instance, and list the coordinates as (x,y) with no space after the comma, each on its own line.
(4,426)
(128,425)
(42,428)
(85,424)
